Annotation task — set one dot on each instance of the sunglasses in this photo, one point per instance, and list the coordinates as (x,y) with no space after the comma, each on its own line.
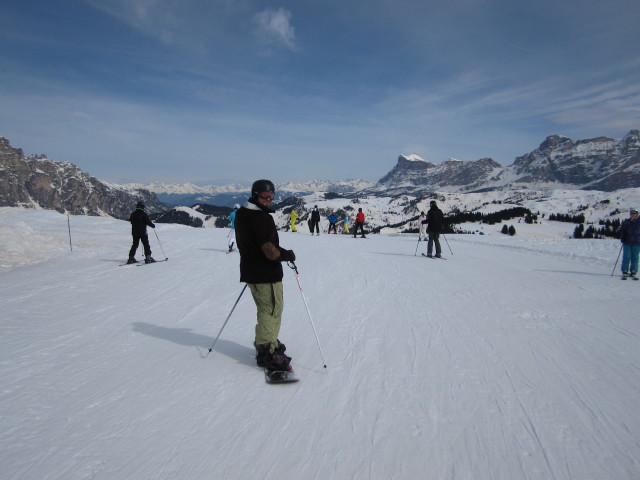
(266,196)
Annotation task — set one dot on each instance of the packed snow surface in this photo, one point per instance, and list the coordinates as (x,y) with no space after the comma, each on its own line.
(516,358)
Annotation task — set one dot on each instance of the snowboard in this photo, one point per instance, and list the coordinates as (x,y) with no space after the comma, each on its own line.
(624,277)
(275,377)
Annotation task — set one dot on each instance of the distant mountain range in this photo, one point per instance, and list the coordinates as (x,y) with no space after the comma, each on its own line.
(229,195)
(601,163)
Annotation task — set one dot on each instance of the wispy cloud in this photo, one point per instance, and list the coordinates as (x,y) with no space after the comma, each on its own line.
(155,18)
(274,28)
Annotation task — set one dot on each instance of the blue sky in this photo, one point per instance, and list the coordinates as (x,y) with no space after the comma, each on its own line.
(234,90)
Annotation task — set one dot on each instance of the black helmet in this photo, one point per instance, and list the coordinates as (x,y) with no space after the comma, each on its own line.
(261,186)
(140,205)
(433,203)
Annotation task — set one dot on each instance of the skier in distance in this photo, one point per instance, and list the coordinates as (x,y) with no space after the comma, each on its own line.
(139,222)
(630,238)
(434,221)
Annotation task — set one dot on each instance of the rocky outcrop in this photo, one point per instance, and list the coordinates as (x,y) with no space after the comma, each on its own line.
(416,172)
(595,164)
(409,170)
(38,182)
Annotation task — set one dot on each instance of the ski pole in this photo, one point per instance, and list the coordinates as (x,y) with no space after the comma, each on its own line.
(416,252)
(226,320)
(165,255)
(614,267)
(69,225)
(292,266)
(445,239)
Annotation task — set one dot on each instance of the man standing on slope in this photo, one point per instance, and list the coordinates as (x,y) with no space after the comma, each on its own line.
(261,269)
(139,222)
(421,226)
(332,223)
(434,221)
(359,224)
(232,232)
(630,237)
(315,220)
(294,218)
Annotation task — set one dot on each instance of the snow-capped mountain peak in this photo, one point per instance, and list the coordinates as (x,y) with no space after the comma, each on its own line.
(413,157)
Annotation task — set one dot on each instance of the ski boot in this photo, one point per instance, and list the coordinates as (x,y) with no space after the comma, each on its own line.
(149,259)
(131,260)
(275,360)
(280,349)
(625,275)
(633,275)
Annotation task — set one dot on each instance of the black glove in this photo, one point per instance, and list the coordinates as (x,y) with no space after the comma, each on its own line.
(153,226)
(287,255)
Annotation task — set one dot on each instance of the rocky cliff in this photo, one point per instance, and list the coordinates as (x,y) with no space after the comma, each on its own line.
(38,182)
(596,164)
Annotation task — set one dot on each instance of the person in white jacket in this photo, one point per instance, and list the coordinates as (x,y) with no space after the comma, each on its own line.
(422,227)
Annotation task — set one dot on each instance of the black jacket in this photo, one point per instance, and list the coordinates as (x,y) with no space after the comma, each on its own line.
(315,216)
(435,219)
(254,228)
(139,221)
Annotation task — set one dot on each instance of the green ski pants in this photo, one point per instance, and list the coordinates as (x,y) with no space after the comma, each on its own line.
(269,303)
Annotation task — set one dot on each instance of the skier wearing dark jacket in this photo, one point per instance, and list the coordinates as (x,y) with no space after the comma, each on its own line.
(630,237)
(261,269)
(139,222)
(434,221)
(315,220)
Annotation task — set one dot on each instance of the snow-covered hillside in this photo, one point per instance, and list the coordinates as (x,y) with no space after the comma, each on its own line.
(516,358)
(382,211)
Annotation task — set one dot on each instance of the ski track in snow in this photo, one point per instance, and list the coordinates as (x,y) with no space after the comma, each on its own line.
(516,358)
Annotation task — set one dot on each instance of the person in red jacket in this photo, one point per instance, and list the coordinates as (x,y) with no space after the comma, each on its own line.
(359,224)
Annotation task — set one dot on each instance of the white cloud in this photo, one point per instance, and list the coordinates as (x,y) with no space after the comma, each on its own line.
(274,27)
